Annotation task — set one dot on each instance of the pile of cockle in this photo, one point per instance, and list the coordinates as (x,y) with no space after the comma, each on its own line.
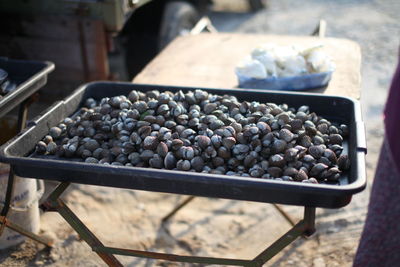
(201,132)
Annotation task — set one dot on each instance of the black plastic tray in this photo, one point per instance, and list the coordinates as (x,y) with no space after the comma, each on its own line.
(18,152)
(29,75)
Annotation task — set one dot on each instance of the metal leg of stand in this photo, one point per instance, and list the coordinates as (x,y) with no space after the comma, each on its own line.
(177,208)
(305,226)
(54,203)
(285,215)
(7,202)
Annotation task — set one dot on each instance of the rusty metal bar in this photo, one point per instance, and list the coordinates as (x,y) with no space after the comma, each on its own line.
(7,201)
(58,191)
(280,244)
(288,218)
(45,241)
(309,219)
(80,227)
(171,257)
(177,208)
(9,193)
(305,226)
(51,202)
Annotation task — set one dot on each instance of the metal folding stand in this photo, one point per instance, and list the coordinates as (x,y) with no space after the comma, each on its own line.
(54,203)
(4,221)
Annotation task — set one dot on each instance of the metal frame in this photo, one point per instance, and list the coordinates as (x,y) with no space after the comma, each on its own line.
(53,203)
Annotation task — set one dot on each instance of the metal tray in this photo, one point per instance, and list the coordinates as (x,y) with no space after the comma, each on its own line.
(17,152)
(29,75)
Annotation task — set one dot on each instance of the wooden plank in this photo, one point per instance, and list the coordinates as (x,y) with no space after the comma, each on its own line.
(208,60)
(57,39)
(66,55)
(50,27)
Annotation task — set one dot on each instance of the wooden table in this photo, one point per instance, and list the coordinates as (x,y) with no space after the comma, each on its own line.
(208,60)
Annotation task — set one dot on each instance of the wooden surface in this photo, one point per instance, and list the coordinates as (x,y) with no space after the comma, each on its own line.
(57,39)
(208,60)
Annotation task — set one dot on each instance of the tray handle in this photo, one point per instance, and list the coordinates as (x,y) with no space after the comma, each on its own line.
(38,118)
(361,139)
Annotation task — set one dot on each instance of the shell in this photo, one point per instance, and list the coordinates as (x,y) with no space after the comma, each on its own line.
(150,142)
(170,161)
(162,149)
(51,148)
(286,135)
(317,169)
(330,155)
(146,155)
(335,139)
(41,147)
(228,142)
(301,175)
(274,171)
(290,171)
(55,132)
(316,151)
(279,146)
(183,165)
(91,160)
(277,161)
(197,163)
(343,162)
(156,162)
(203,141)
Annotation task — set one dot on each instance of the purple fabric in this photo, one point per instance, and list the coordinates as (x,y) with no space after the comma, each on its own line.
(392,124)
(380,240)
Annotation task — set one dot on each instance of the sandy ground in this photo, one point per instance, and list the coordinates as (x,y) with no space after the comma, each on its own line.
(212,227)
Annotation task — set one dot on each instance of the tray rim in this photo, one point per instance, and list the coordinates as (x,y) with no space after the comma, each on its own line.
(339,190)
(23,88)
